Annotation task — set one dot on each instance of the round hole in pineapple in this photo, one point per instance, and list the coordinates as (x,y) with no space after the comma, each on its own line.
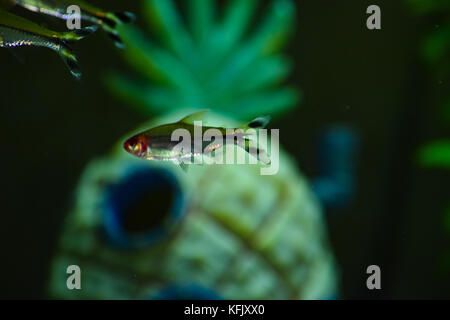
(141,208)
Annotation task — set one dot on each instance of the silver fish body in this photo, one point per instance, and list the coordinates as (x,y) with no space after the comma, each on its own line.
(160,144)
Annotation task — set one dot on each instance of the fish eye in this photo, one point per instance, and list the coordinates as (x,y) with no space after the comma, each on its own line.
(137,146)
(130,144)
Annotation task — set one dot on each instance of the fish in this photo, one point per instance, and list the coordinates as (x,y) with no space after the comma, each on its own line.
(157,143)
(16,31)
(108,21)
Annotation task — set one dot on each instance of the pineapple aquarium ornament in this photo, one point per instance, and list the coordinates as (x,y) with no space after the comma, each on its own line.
(142,229)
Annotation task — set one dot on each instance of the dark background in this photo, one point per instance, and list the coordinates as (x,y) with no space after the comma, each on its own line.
(374,81)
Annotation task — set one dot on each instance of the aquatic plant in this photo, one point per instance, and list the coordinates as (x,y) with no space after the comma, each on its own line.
(215,63)
(436,52)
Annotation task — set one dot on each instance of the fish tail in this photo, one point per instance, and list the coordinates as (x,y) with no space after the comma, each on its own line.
(110,21)
(78,34)
(257,152)
(247,140)
(124,17)
(117,18)
(114,36)
(250,145)
(67,53)
(70,60)
(242,133)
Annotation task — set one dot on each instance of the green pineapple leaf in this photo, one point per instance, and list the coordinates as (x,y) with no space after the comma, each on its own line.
(216,63)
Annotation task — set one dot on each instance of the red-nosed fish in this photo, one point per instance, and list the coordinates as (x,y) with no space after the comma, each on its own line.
(157,143)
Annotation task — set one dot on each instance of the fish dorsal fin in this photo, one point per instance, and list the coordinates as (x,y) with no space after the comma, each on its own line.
(260,122)
(197,116)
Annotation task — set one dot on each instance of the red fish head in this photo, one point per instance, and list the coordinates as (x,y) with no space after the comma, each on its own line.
(137,146)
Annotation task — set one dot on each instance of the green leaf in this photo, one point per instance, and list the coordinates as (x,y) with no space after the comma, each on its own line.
(219,66)
(236,21)
(265,102)
(146,98)
(201,13)
(264,73)
(164,18)
(260,74)
(157,64)
(436,154)
(268,40)
(277,28)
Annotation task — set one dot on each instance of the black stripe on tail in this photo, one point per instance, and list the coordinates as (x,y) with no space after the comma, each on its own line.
(117,40)
(125,17)
(110,23)
(71,61)
(84,32)
(260,122)
(113,19)
(74,68)
(257,152)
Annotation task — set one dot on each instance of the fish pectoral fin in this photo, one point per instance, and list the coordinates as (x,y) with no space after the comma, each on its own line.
(184,166)
(197,116)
